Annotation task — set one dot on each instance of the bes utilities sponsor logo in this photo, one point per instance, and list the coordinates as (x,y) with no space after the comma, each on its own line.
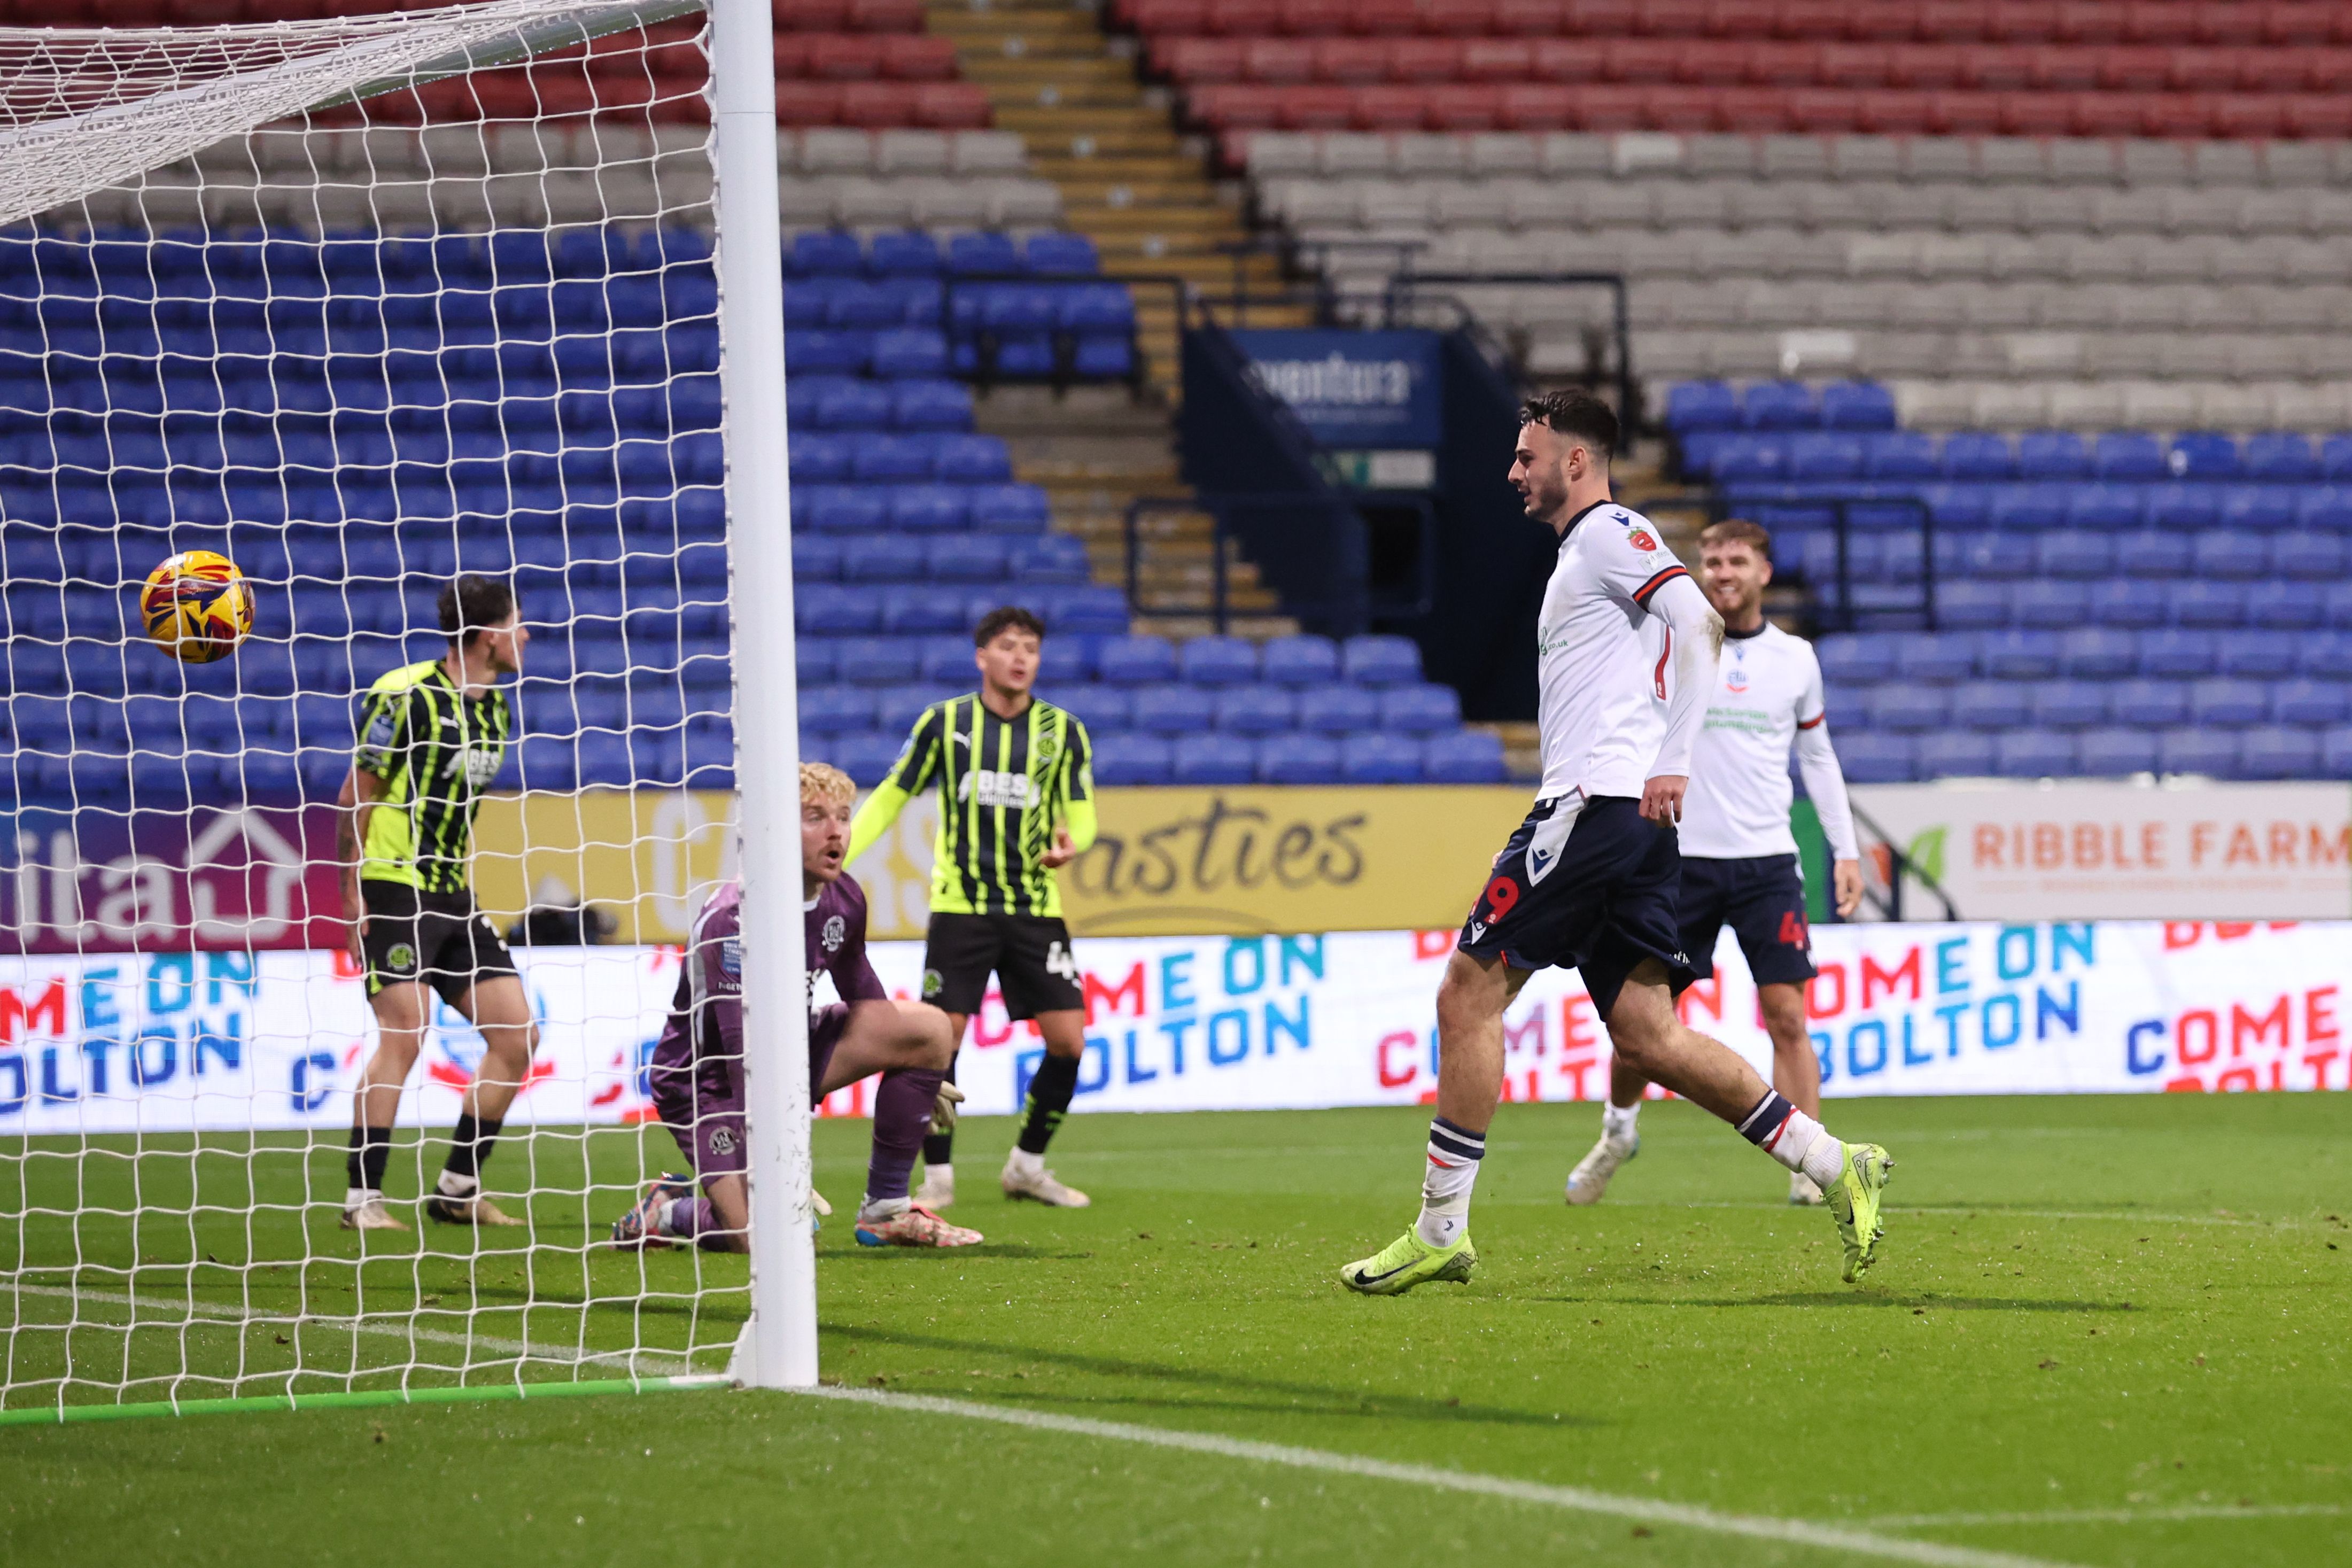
(991,786)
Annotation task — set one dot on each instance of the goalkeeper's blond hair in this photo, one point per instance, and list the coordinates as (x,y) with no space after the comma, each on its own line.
(824,782)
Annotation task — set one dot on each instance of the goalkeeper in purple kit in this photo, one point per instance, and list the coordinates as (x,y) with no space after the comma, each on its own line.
(697,1072)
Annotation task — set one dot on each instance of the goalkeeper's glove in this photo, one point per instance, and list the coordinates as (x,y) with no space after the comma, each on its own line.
(943,1107)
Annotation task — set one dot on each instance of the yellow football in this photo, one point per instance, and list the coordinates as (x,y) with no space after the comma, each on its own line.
(196,606)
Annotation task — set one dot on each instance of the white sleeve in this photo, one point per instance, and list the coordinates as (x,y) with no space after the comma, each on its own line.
(1694,636)
(1817,760)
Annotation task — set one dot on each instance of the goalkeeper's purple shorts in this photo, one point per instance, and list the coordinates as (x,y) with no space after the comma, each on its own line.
(704,1110)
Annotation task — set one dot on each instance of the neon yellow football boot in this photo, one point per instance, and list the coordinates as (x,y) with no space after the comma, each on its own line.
(1409,1262)
(1853,1204)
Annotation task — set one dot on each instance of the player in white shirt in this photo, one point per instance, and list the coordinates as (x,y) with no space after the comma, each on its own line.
(1625,657)
(1739,859)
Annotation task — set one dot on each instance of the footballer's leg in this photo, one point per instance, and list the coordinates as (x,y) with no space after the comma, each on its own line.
(496,1004)
(1770,917)
(908,1043)
(1041,1110)
(959,953)
(938,1191)
(399,1007)
(1796,1070)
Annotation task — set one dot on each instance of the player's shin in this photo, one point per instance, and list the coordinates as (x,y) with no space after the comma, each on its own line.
(1049,1101)
(1452,1170)
(469,1149)
(902,1112)
(371,1153)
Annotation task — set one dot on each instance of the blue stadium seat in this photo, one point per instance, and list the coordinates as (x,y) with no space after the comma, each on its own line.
(1857,405)
(965,557)
(1994,557)
(1849,658)
(874,661)
(2108,508)
(983,251)
(2310,703)
(840,509)
(1978,455)
(2257,655)
(2113,753)
(2035,754)
(1376,660)
(816,558)
(2069,704)
(834,709)
(2339,600)
(2263,509)
(1965,605)
(904,253)
(2197,750)
(898,707)
(2075,553)
(2325,509)
(2336,753)
(1217,660)
(929,509)
(1988,705)
(2278,752)
(1129,757)
(2294,604)
(2202,454)
(907,610)
(1960,507)
(893,460)
(2308,554)
(2047,606)
(1216,759)
(1336,709)
(2206,605)
(1378,759)
(1061,252)
(2052,455)
(828,353)
(1869,758)
(851,406)
(1780,406)
(2149,553)
(2178,655)
(1137,661)
(929,404)
(1257,709)
(971,460)
(825,252)
(1299,660)
(2128,605)
(1464,757)
(1067,656)
(1899,455)
(2030,508)
(1702,405)
(1049,558)
(2020,655)
(1954,754)
(2230,703)
(1823,457)
(1902,709)
(1098,706)
(1172,709)
(2185,508)
(2279,458)
(2149,704)
(2327,656)
(1422,709)
(1937,657)
(882,558)
(2231,554)
(867,758)
(919,355)
(1299,759)
(818,457)
(837,611)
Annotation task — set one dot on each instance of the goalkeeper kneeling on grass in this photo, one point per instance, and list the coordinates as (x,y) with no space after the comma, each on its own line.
(697,1072)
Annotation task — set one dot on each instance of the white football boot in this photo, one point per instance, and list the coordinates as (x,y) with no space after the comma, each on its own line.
(1589,1180)
(369,1213)
(1025,1176)
(938,1191)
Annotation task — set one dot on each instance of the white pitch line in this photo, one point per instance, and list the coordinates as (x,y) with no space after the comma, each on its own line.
(652,1363)
(2115,1515)
(1971,1211)
(1686,1516)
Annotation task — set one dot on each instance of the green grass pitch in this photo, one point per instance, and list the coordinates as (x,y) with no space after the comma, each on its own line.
(2104,1332)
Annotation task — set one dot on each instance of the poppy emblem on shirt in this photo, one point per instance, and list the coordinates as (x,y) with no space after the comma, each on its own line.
(833,932)
(1640,539)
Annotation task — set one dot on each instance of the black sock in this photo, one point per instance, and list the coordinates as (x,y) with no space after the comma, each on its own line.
(1049,1096)
(470,1145)
(939,1148)
(371,1153)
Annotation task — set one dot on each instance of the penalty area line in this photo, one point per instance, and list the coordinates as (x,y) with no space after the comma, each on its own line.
(2155,1514)
(1646,1510)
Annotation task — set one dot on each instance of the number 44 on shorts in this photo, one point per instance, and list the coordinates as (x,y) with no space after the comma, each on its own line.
(1058,961)
(1793,931)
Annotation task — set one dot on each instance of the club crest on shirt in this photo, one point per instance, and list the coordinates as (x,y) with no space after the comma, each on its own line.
(1640,540)
(835,931)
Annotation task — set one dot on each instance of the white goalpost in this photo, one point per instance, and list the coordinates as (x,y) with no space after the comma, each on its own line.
(300,322)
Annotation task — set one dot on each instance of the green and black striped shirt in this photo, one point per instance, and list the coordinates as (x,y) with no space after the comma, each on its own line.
(436,749)
(1003,785)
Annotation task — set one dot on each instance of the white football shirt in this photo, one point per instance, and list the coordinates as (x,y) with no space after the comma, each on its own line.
(1767,695)
(1604,683)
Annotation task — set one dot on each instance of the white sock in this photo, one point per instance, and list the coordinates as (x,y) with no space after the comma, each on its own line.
(1022,1162)
(883,1208)
(665,1217)
(944,1172)
(1794,1139)
(1617,1123)
(355,1196)
(453,1186)
(1453,1158)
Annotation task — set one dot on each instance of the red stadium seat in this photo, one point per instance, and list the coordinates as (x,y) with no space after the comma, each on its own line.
(1739,18)
(2300,23)
(2228,24)
(919,56)
(2246,117)
(1190,60)
(810,16)
(808,103)
(1817,19)
(2194,69)
(1306,18)
(2317,117)
(1424,59)
(1352,62)
(1889,113)
(1530,18)
(1384,18)
(2020,21)
(887,16)
(2171,115)
(2065,70)
(2160,22)
(1670,18)
(1923,65)
(1497,60)
(1709,62)
(1153,18)
(1278,60)
(2090,21)
(1825,110)
(1952,21)
(1642,60)
(1457,18)
(1602,18)
(2031,113)
(792,55)
(1997,67)
(1853,65)
(200,13)
(1566,60)
(1234,18)
(844,57)
(1320,107)
(1400,108)
(2327,70)
(1678,108)
(1891,21)
(2273,71)
(1751,111)
(1781,63)
(877,105)
(1230,106)
(1964,113)
(2134,68)
(1601,107)
(947,106)
(1462,108)
(2104,114)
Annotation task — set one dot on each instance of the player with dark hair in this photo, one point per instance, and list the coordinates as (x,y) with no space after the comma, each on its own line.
(1739,859)
(1625,657)
(1015,777)
(431,736)
(697,1072)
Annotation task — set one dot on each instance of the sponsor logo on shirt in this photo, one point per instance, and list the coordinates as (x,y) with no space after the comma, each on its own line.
(730,957)
(991,786)
(480,765)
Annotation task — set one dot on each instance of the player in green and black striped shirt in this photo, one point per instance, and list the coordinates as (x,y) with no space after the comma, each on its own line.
(1017,802)
(431,736)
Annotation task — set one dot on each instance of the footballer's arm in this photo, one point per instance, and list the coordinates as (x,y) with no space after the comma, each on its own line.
(1695,639)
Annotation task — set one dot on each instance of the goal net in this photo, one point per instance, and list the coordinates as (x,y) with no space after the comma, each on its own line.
(356,305)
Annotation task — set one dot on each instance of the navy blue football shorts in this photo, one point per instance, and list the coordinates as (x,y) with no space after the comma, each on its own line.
(1763,901)
(1592,889)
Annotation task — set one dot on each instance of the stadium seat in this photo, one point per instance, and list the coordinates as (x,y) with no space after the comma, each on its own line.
(1299,759)
(2034,754)
(2020,655)
(1172,709)
(2261,655)
(2309,702)
(1300,661)
(1257,709)
(2097,653)
(2149,704)
(2134,607)
(2048,606)
(2114,752)
(1420,708)
(867,758)
(1855,659)
(1992,705)
(1937,657)
(1130,757)
(2231,704)
(1212,758)
(1906,710)
(2207,605)
(1098,706)
(2067,705)
(1338,709)
(1378,759)
(2336,753)
(2213,752)
(1217,660)
(1137,661)
(1464,757)
(875,661)
(1870,758)
(1954,754)
(1379,660)
(2074,554)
